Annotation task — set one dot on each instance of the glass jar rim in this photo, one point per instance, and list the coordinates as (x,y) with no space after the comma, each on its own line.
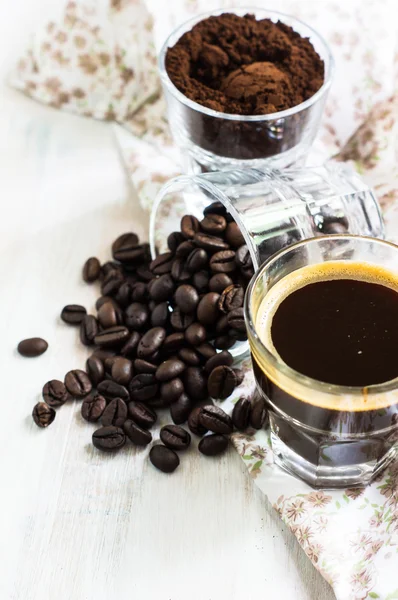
(179,31)
(347,394)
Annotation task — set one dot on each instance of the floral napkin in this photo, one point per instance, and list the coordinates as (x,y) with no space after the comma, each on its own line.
(97,58)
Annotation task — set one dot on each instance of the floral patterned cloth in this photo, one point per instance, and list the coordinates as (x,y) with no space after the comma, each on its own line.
(97,58)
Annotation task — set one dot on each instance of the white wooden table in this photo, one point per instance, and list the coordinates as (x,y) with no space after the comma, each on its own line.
(75,524)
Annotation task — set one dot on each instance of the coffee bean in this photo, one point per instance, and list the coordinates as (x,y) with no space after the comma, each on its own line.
(181,409)
(112,337)
(215,419)
(233,235)
(195,334)
(222,325)
(158,402)
(110,390)
(73,314)
(144,366)
(189,357)
(143,387)
(122,370)
(221,382)
(95,370)
(109,266)
(32,347)
(101,300)
(102,354)
(185,249)
(169,369)
(224,342)
(111,283)
(108,316)
(174,240)
(208,311)
(127,250)
(162,263)
(43,415)
(151,341)
(163,458)
(236,319)
(216,208)
(210,242)
(175,437)
(181,321)
(144,273)
(162,288)
(200,281)
(137,434)
(139,292)
(196,260)
(142,415)
(213,223)
(240,375)
(223,262)
(88,330)
(243,258)
(123,239)
(219,359)
(123,295)
(231,298)
(213,444)
(241,414)
(108,363)
(174,342)
(179,272)
(136,316)
(195,383)
(115,413)
(194,422)
(206,350)
(186,298)
(78,383)
(130,346)
(189,226)
(171,390)
(219,282)
(334,227)
(109,439)
(160,315)
(91,269)
(259,413)
(55,393)
(92,407)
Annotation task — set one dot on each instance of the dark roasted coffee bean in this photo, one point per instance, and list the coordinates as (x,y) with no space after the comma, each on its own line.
(163,458)
(208,311)
(55,393)
(109,266)
(175,437)
(213,444)
(32,347)
(231,298)
(206,350)
(195,334)
(195,383)
(109,439)
(178,271)
(194,422)
(143,387)
(92,407)
(101,300)
(181,409)
(236,319)
(143,366)
(162,263)
(174,342)
(223,262)
(179,321)
(224,342)
(171,390)
(215,207)
(136,316)
(127,250)
(141,414)
(196,260)
(200,281)
(115,413)
(169,369)
(234,236)
(240,375)
(189,226)
(139,292)
(144,273)
(108,363)
(150,342)
(88,330)
(334,227)
(219,359)
(158,402)
(185,249)
(215,419)
(174,240)
(213,224)
(91,269)
(210,242)
(241,413)
(243,258)
(73,314)
(222,325)
(129,348)
(137,434)
(111,283)
(123,295)
(123,239)
(187,298)
(189,357)
(108,316)
(259,413)
(160,315)
(162,288)
(219,282)
(112,337)
(43,415)
(122,370)
(221,382)
(78,383)
(110,390)
(102,354)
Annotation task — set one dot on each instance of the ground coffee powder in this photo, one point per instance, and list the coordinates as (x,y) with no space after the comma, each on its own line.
(238,65)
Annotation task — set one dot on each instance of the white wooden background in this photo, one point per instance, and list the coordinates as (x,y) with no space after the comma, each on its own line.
(74,523)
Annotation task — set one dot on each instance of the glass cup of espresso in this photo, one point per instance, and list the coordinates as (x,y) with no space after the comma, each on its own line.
(322,321)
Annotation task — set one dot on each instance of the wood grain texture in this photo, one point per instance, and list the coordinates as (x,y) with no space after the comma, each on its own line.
(74,523)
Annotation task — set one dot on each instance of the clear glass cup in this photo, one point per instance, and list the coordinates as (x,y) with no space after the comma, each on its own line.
(328,435)
(212,140)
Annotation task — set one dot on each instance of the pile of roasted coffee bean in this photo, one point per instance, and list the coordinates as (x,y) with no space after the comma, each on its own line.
(155,338)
